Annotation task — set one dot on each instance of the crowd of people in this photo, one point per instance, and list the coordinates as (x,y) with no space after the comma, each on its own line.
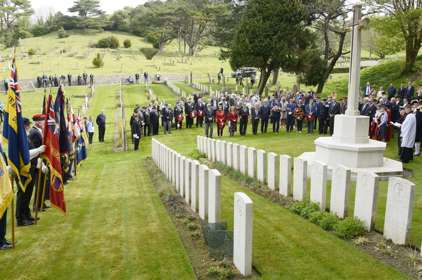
(83,79)
(302,111)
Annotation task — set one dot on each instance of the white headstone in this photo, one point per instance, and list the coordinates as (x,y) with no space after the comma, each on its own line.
(209,149)
(365,198)
(229,154)
(242,233)
(194,194)
(177,183)
(223,152)
(236,157)
(251,162)
(285,175)
(213,150)
(319,172)
(198,142)
(271,170)
(203,191)
(340,185)
(218,150)
(187,180)
(398,212)
(300,171)
(214,179)
(182,176)
(243,157)
(260,165)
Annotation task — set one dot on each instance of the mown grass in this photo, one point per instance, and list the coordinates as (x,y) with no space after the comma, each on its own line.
(116,226)
(285,245)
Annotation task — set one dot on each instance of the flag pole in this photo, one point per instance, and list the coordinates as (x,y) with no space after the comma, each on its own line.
(12,206)
(37,192)
(43,190)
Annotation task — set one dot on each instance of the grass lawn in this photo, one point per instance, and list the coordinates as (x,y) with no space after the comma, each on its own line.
(285,245)
(116,227)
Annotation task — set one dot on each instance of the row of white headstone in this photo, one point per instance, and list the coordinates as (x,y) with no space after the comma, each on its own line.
(200,186)
(176,90)
(261,165)
(195,182)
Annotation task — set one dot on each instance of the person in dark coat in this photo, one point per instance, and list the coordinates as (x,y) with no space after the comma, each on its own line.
(136,130)
(154,119)
(392,91)
(290,121)
(255,118)
(199,110)
(209,120)
(244,117)
(333,111)
(166,119)
(264,115)
(418,138)
(101,122)
(410,92)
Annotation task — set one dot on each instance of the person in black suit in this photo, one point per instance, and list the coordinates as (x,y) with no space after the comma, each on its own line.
(392,91)
(101,122)
(264,115)
(410,92)
(332,112)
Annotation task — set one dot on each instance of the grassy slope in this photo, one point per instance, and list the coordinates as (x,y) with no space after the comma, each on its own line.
(287,246)
(116,228)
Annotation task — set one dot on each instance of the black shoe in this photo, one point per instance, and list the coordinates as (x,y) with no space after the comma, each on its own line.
(32,219)
(7,242)
(5,246)
(25,223)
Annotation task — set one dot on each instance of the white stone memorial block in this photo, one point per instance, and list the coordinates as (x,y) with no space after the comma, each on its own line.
(285,175)
(214,179)
(243,158)
(229,154)
(194,191)
(182,176)
(209,149)
(236,157)
(177,177)
(271,170)
(173,167)
(213,150)
(203,191)
(242,233)
(398,212)
(260,165)
(251,162)
(218,150)
(340,185)
(223,152)
(319,173)
(299,179)
(198,143)
(187,180)
(365,198)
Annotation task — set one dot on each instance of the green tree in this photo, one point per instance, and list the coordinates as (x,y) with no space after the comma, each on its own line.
(86,8)
(408,14)
(267,36)
(13,10)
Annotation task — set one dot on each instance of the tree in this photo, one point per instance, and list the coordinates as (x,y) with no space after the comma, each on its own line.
(267,36)
(408,14)
(86,8)
(13,10)
(331,24)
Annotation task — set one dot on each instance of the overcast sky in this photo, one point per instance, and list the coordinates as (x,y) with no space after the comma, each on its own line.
(44,7)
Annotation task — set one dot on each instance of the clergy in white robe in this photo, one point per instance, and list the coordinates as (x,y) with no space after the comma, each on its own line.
(408,135)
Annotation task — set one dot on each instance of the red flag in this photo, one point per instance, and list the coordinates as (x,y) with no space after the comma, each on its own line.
(52,156)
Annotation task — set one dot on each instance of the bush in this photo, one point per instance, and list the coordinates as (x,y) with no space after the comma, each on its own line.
(328,221)
(61,33)
(31,52)
(297,207)
(349,228)
(98,61)
(149,53)
(308,210)
(108,43)
(316,217)
(127,43)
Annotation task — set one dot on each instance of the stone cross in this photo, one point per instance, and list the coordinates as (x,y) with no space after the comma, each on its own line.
(354,72)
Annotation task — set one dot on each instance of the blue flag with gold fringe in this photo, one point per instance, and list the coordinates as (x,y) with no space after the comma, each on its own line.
(14,132)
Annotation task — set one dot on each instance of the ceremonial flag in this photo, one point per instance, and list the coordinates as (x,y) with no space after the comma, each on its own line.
(14,132)
(6,193)
(60,117)
(52,156)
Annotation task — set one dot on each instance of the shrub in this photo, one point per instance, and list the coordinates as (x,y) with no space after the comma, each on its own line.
(108,43)
(127,43)
(61,33)
(31,52)
(309,209)
(149,53)
(328,221)
(98,61)
(297,207)
(316,217)
(349,228)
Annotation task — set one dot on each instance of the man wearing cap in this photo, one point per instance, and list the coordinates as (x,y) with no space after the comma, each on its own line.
(23,212)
